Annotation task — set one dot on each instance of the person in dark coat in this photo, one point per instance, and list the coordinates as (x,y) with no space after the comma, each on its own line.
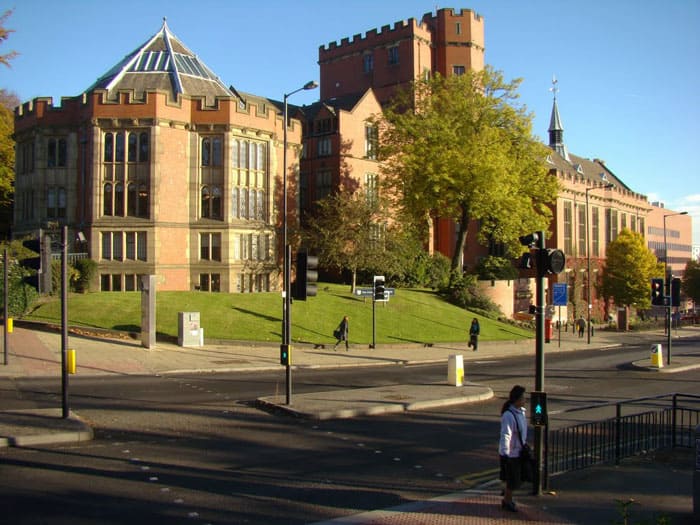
(474,331)
(341,333)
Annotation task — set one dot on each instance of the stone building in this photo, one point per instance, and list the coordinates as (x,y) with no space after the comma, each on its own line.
(162,169)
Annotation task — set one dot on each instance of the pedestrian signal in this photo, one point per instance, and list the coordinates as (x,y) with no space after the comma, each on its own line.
(538,401)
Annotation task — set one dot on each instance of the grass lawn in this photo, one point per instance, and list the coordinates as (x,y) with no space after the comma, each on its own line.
(411,316)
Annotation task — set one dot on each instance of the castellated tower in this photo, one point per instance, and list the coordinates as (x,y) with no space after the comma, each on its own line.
(447,42)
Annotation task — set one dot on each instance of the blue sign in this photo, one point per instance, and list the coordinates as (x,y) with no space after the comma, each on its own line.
(560,294)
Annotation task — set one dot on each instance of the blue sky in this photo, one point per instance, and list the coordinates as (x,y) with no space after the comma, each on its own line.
(628,71)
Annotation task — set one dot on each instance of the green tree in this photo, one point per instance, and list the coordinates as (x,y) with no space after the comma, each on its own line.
(466,152)
(7,157)
(691,281)
(629,267)
(347,231)
(4,35)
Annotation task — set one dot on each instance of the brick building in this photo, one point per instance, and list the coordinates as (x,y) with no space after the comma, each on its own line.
(363,73)
(163,170)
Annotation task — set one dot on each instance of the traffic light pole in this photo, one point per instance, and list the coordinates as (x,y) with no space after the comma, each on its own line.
(64,321)
(539,360)
(6,307)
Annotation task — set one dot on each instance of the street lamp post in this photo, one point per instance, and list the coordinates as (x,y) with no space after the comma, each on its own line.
(667,293)
(589,303)
(286,278)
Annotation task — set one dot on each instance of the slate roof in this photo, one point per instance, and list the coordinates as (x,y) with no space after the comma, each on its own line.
(163,63)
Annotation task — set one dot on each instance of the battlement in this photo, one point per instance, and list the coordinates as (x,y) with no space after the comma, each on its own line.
(358,40)
(449,12)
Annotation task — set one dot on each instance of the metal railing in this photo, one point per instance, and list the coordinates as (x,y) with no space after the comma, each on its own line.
(662,422)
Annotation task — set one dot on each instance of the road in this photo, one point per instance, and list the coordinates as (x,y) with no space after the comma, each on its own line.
(193,448)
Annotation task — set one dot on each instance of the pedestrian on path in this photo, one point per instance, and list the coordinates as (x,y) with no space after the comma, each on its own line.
(474,331)
(512,441)
(341,333)
(581,325)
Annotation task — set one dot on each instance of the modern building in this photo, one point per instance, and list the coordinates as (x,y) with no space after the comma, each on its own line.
(162,169)
(669,236)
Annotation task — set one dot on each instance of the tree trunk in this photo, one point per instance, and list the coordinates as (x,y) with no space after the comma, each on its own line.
(354,281)
(458,257)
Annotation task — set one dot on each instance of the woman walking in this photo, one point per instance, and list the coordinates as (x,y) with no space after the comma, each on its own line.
(512,442)
(341,333)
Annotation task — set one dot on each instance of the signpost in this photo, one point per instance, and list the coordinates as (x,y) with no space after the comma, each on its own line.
(560,298)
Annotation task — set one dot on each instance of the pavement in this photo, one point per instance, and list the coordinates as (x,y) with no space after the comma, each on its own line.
(659,484)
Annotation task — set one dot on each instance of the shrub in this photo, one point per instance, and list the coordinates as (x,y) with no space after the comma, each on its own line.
(463,291)
(496,269)
(86,269)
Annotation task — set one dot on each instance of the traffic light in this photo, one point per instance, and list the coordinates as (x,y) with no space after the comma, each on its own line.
(657,292)
(538,408)
(675,291)
(550,261)
(32,264)
(307,276)
(285,355)
(379,288)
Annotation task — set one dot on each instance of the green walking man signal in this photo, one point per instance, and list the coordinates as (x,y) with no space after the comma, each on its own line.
(286,355)
(538,402)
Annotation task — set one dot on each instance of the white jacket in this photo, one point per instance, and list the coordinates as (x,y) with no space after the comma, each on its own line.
(510,444)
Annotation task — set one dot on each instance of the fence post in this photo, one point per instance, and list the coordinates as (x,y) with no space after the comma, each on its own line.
(618,432)
(673,421)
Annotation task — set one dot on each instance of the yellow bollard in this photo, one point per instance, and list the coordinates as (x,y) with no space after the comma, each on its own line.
(10,325)
(657,357)
(71,364)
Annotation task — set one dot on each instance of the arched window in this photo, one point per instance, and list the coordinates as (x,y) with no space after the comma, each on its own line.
(206,152)
(108,208)
(109,147)
(133,147)
(119,199)
(143,147)
(119,149)
(131,200)
(205,202)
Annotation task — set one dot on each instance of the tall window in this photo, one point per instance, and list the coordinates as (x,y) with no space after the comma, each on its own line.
(55,202)
(371,188)
(568,227)
(126,174)
(210,246)
(324,181)
(393,55)
(57,153)
(371,141)
(367,62)
(581,229)
(212,177)
(595,231)
(250,176)
(324,146)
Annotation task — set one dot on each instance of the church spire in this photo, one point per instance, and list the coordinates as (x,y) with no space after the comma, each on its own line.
(556,131)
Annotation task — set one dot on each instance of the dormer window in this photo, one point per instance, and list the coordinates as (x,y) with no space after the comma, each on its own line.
(579,169)
(549,159)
